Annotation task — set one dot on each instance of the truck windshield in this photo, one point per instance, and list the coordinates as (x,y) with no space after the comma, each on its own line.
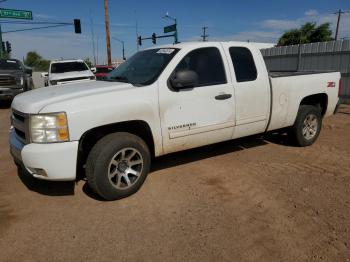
(9,65)
(144,67)
(57,68)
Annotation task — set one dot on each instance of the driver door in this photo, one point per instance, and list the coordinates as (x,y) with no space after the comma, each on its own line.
(203,114)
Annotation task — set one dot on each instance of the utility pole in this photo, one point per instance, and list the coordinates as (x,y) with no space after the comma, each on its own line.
(93,38)
(136,31)
(123,49)
(97,62)
(173,28)
(108,38)
(339,13)
(204,36)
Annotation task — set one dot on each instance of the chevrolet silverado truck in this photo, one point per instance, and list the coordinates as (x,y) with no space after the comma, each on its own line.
(163,100)
(15,78)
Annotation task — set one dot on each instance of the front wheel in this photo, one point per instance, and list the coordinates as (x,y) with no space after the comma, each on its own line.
(118,165)
(307,126)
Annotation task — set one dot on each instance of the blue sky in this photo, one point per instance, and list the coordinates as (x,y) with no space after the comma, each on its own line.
(261,21)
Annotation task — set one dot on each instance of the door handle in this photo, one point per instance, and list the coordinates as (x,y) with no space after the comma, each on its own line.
(223,96)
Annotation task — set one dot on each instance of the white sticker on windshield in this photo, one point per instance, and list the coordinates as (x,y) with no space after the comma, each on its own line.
(11,61)
(167,51)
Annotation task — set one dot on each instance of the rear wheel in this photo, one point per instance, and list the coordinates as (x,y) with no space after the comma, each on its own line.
(118,165)
(307,126)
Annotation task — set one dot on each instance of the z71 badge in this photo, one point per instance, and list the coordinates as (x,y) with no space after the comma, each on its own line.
(330,84)
(181,126)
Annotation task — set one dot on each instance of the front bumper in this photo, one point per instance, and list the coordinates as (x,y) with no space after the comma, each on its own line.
(55,161)
(9,93)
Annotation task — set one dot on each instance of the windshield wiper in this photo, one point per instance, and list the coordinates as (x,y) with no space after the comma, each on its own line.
(123,79)
(120,79)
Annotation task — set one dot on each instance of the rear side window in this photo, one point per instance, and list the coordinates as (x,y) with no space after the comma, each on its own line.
(243,64)
(208,65)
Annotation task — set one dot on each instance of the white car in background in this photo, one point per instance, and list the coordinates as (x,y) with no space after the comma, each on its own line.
(68,71)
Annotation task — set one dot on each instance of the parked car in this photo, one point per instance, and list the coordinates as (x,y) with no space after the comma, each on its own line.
(101,71)
(15,78)
(67,71)
(163,100)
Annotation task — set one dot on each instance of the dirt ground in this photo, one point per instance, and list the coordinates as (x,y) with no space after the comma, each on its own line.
(255,199)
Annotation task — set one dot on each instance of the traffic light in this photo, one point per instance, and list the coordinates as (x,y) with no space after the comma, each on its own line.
(8,47)
(77,26)
(139,40)
(154,38)
(3,47)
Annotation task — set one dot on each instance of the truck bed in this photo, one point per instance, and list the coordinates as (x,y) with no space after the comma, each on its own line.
(289,88)
(295,73)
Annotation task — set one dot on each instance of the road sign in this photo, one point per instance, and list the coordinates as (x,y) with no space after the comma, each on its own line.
(17,14)
(170,28)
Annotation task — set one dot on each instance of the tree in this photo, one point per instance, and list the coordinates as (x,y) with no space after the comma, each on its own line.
(307,33)
(88,62)
(34,60)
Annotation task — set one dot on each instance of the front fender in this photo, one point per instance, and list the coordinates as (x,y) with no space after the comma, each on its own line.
(97,110)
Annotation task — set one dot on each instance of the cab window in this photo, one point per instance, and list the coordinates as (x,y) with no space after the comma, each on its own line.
(208,65)
(243,63)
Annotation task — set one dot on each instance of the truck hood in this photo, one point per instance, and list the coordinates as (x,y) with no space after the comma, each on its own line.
(74,74)
(34,101)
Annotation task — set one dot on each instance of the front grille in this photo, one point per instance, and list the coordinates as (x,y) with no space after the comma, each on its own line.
(7,81)
(20,124)
(73,79)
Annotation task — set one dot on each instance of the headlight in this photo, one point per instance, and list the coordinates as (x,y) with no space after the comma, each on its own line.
(20,81)
(53,82)
(49,128)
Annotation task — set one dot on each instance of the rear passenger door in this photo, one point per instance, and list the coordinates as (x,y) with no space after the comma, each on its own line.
(252,92)
(203,114)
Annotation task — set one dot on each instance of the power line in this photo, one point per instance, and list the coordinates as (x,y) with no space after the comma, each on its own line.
(204,36)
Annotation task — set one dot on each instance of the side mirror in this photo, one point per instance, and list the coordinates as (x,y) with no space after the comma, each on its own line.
(45,75)
(93,69)
(183,79)
(28,71)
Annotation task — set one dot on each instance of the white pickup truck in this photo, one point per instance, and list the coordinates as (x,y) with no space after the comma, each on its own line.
(63,72)
(163,100)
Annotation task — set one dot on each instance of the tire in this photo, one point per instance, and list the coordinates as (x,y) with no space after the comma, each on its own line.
(118,165)
(307,126)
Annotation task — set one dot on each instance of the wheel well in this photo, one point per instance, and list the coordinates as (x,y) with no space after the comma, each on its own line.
(318,100)
(89,138)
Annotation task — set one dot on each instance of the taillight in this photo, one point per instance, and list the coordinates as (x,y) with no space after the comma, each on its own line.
(339,88)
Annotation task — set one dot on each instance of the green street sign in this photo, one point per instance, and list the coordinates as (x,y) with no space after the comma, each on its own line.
(17,14)
(170,28)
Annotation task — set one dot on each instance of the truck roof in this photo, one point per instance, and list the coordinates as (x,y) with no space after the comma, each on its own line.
(200,44)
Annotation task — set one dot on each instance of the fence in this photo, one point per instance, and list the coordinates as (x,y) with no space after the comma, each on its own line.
(322,56)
